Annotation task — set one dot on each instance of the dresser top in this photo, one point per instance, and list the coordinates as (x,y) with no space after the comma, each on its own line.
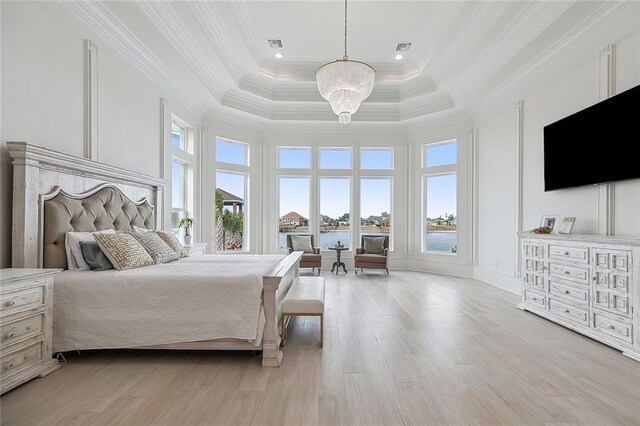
(602,239)
(17,274)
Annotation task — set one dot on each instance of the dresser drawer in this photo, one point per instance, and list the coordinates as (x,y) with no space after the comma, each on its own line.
(534,298)
(615,328)
(17,301)
(578,294)
(612,302)
(573,273)
(617,260)
(566,310)
(613,280)
(16,361)
(20,329)
(573,254)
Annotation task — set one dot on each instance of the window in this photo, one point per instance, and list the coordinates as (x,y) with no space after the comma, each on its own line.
(231,195)
(294,207)
(178,136)
(335,212)
(335,158)
(376,159)
(439,187)
(182,176)
(375,206)
(294,158)
(231,152)
(441,154)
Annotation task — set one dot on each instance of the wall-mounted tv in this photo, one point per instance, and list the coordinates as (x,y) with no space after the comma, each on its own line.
(594,145)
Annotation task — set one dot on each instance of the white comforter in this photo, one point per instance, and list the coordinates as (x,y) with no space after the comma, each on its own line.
(192,299)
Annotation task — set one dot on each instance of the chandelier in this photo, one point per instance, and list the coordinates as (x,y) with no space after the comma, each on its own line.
(345,83)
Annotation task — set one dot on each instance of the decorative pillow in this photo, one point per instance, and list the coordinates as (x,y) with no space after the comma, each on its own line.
(140,230)
(301,243)
(124,251)
(373,245)
(173,242)
(154,245)
(94,257)
(75,260)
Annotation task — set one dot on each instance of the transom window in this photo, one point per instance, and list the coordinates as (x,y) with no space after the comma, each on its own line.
(294,158)
(376,158)
(232,152)
(335,158)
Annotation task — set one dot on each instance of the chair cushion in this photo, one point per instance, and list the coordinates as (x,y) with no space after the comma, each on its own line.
(373,245)
(370,258)
(311,257)
(306,296)
(301,243)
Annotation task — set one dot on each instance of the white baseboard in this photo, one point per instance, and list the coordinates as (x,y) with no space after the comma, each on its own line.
(497,279)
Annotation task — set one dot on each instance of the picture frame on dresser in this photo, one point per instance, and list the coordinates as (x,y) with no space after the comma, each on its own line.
(566,224)
(551,221)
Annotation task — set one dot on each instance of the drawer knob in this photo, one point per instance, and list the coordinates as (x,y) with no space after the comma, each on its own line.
(566,253)
(566,272)
(566,292)
(534,298)
(11,334)
(566,311)
(10,365)
(611,327)
(11,303)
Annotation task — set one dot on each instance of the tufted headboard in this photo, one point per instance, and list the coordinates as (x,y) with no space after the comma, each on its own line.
(55,193)
(105,207)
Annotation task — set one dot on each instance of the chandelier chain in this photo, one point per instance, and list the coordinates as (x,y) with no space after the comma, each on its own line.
(345,31)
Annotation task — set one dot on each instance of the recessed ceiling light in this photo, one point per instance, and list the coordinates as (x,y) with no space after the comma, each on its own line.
(278,55)
(398,57)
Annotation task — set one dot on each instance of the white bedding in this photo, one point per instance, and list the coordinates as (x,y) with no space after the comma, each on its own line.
(196,298)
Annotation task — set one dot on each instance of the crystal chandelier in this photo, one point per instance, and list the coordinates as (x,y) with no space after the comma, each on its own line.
(345,83)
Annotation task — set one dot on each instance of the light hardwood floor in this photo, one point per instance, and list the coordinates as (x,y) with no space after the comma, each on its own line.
(410,348)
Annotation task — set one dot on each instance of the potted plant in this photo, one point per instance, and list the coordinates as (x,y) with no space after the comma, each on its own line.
(187,223)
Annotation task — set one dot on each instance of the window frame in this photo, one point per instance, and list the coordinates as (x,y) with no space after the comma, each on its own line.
(186,158)
(247,153)
(440,170)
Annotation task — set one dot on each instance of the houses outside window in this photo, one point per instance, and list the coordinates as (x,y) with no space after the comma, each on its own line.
(439,198)
(231,195)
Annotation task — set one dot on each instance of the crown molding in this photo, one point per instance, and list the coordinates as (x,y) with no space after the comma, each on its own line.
(605,24)
(306,91)
(453,118)
(243,24)
(167,21)
(425,105)
(213,26)
(306,71)
(415,87)
(522,30)
(99,19)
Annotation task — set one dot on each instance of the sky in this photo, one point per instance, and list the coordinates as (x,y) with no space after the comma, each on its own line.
(335,193)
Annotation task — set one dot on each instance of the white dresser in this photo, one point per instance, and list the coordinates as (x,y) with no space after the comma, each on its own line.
(26,325)
(588,283)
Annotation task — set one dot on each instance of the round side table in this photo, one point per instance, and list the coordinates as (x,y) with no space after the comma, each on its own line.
(338,263)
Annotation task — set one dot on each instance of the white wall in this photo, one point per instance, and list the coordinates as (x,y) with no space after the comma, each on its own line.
(43,99)
(498,180)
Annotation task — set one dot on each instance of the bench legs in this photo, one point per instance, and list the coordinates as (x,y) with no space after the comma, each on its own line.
(284,323)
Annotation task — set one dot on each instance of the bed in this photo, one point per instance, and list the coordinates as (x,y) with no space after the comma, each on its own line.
(201,302)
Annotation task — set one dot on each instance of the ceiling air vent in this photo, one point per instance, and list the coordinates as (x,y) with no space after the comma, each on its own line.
(275,43)
(403,47)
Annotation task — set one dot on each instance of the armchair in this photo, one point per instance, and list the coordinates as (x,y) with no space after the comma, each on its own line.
(308,260)
(371,261)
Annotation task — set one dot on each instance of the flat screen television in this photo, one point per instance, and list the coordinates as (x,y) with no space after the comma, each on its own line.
(593,145)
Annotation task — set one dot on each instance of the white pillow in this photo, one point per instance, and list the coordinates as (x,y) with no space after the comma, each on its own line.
(75,260)
(137,229)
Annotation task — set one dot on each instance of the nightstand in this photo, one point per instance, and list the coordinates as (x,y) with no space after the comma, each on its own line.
(196,248)
(26,325)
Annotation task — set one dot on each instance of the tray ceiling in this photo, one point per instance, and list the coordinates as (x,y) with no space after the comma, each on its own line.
(465,55)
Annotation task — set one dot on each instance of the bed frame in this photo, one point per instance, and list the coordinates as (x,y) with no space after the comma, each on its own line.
(40,175)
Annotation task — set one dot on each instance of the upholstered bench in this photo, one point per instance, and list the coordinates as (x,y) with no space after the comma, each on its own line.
(305,298)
